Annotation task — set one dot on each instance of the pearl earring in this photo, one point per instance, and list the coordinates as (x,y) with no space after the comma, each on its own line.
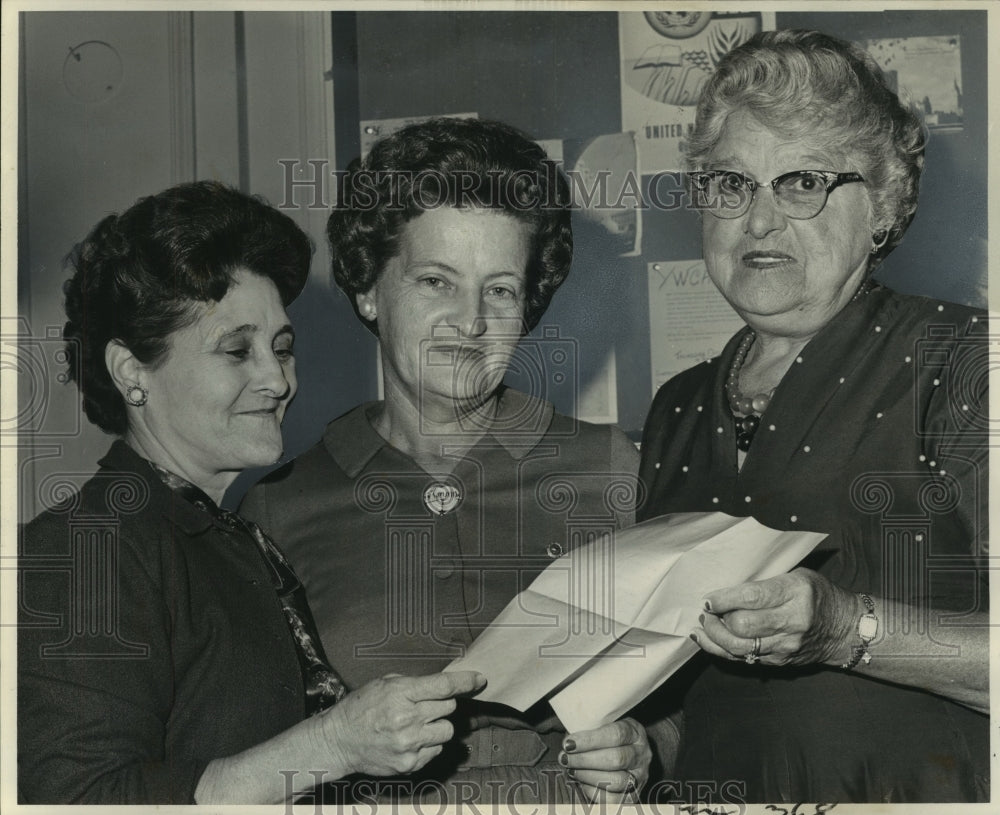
(136,395)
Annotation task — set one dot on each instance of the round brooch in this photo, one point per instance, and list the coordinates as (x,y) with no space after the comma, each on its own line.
(441,498)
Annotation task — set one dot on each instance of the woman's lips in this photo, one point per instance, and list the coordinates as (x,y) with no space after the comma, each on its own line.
(269,411)
(765,260)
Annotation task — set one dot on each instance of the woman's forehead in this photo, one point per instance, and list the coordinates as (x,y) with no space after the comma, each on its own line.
(746,139)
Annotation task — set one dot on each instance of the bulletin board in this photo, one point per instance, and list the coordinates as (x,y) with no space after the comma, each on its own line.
(565,78)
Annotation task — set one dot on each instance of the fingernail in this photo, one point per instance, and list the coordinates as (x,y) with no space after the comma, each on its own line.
(569,745)
(708,606)
(701,619)
(694,637)
(571,774)
(564,759)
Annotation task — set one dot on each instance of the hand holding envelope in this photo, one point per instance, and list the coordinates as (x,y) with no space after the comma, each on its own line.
(606,624)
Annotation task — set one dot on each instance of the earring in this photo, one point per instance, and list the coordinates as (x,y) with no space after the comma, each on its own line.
(878,240)
(369,311)
(136,395)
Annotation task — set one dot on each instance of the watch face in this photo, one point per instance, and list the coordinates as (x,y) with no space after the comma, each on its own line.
(868,627)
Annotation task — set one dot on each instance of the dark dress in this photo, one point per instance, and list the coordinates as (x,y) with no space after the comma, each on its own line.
(877,436)
(151,640)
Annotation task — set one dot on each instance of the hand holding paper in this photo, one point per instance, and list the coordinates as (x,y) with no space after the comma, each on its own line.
(801,618)
(609,622)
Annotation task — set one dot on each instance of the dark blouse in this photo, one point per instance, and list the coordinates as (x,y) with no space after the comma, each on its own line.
(877,436)
(150,641)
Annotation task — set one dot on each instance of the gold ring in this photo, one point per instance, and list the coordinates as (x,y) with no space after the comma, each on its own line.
(754,655)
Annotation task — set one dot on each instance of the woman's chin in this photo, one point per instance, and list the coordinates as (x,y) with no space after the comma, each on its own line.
(765,304)
(263,453)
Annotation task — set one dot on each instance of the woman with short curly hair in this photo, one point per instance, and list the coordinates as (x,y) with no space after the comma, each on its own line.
(420,516)
(841,407)
(175,658)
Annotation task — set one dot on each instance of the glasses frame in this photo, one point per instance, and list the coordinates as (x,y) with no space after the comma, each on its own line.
(831,181)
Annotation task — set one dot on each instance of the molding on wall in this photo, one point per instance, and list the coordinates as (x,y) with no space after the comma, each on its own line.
(316,124)
(216,114)
(180,44)
(290,116)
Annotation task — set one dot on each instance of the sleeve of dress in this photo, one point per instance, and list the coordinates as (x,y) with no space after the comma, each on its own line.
(955,425)
(94,681)
(624,459)
(652,442)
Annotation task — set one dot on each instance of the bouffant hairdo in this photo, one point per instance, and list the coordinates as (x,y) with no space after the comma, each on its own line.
(457,163)
(138,274)
(809,85)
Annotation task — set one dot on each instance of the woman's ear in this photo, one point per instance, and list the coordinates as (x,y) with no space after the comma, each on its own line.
(126,371)
(366,304)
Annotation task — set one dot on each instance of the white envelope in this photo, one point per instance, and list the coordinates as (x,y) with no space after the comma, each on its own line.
(608,623)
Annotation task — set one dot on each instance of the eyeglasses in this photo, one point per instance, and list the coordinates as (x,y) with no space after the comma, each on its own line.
(800,194)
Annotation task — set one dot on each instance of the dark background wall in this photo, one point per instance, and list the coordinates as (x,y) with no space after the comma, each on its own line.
(226,95)
(556,75)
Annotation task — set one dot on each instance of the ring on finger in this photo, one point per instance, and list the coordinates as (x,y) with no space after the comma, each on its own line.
(631,790)
(754,654)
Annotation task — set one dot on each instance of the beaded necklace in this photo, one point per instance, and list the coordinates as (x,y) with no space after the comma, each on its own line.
(747,410)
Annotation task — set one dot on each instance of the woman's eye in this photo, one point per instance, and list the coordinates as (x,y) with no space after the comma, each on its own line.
(731,182)
(433,282)
(502,292)
(805,183)
(238,353)
(284,354)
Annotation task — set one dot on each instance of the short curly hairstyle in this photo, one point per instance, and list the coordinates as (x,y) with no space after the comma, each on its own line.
(137,276)
(809,85)
(458,163)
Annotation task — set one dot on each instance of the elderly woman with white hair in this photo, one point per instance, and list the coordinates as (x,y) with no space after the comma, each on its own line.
(841,407)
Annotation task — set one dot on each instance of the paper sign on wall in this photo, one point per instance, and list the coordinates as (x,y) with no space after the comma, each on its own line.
(928,72)
(667,58)
(689,321)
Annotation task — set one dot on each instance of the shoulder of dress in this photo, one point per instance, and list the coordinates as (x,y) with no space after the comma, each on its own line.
(304,464)
(685,385)
(919,311)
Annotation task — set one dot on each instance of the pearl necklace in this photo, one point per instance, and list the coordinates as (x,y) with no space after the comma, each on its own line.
(746,410)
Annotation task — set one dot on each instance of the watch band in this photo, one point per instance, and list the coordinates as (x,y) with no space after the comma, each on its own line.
(867,631)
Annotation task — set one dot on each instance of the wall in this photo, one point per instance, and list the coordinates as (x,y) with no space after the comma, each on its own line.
(557,76)
(228,95)
(154,99)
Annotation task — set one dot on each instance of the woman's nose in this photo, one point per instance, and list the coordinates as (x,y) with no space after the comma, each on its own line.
(272,377)
(764,217)
(471,317)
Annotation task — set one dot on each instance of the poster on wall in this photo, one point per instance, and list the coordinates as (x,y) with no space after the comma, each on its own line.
(602,172)
(667,58)
(927,71)
(689,321)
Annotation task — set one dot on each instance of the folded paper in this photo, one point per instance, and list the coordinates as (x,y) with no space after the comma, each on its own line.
(606,624)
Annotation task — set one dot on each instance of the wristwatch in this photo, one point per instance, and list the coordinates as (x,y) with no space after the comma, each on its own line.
(867,631)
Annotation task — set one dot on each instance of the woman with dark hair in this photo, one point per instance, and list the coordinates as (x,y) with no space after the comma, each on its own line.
(842,407)
(166,652)
(422,515)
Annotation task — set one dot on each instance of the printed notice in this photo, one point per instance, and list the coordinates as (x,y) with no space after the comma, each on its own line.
(689,321)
